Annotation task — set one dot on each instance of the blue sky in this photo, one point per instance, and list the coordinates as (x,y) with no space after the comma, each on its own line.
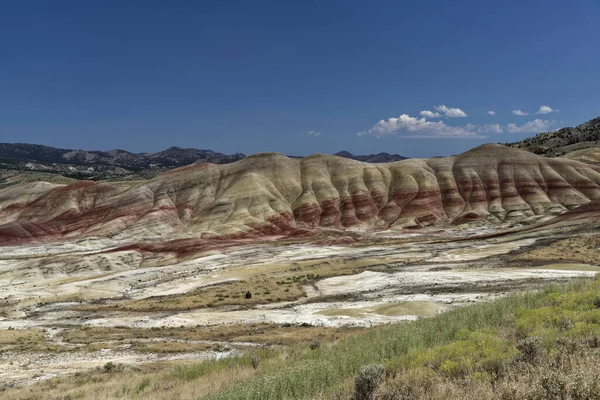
(295,77)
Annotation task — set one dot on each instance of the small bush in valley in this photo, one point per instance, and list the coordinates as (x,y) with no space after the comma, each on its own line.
(314,344)
(367,380)
(112,367)
(530,349)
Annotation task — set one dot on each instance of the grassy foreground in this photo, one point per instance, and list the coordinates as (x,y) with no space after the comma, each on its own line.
(537,345)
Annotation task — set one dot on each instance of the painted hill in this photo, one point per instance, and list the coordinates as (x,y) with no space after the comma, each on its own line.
(589,156)
(270,194)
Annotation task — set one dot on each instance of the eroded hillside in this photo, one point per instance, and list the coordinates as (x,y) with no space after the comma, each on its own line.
(270,194)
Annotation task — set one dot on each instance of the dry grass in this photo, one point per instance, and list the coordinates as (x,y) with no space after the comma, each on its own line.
(582,249)
(226,294)
(565,377)
(267,283)
(26,340)
(171,347)
(168,380)
(61,298)
(419,308)
(149,382)
(268,334)
(165,340)
(16,336)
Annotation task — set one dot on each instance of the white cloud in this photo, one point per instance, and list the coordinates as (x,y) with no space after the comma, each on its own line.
(535,126)
(411,127)
(492,112)
(313,133)
(491,128)
(451,112)
(545,110)
(430,114)
(520,112)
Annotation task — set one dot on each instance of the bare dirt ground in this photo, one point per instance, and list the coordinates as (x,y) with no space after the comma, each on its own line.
(74,306)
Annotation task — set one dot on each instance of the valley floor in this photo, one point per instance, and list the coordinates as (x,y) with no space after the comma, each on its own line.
(128,324)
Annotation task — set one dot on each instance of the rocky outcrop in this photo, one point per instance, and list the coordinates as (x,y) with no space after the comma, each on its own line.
(270,194)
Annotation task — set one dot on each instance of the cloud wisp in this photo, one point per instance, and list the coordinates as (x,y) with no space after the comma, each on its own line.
(486,128)
(546,110)
(535,126)
(406,126)
(492,112)
(313,133)
(520,112)
(450,112)
(430,114)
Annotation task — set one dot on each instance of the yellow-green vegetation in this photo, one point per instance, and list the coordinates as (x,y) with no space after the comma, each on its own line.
(550,349)
(469,352)
(536,345)
(475,346)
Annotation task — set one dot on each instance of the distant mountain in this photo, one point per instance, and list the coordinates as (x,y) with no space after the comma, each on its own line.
(372,158)
(563,141)
(33,159)
(103,164)
(178,156)
(170,158)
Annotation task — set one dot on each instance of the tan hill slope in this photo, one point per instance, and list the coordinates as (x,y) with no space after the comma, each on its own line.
(270,194)
(588,156)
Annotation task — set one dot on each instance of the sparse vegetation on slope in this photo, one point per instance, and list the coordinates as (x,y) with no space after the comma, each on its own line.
(563,141)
